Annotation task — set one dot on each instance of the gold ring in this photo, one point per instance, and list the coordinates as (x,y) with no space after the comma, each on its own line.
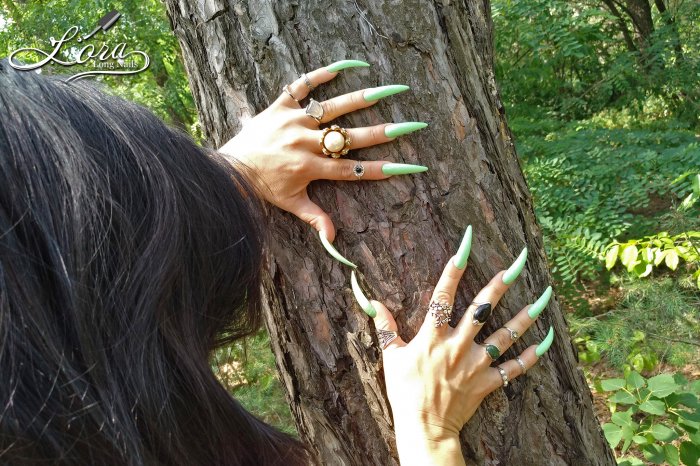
(335,141)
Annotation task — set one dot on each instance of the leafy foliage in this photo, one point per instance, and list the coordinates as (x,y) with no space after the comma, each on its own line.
(660,415)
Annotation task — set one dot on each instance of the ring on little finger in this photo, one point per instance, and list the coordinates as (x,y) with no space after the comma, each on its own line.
(504,375)
(481,314)
(441,312)
(493,351)
(514,335)
(521,364)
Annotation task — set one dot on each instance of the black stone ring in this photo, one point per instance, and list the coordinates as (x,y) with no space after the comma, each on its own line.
(481,314)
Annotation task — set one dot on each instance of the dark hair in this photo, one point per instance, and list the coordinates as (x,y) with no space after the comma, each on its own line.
(128,253)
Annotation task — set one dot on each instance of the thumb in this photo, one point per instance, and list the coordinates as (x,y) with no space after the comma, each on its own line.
(311,213)
(383,319)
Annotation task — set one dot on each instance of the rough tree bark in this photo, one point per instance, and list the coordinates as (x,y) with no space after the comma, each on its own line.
(400,232)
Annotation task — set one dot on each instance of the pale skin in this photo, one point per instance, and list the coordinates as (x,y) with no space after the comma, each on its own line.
(435,382)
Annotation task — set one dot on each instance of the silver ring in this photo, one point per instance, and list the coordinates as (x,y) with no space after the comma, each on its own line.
(385,337)
(513,334)
(504,375)
(314,110)
(307,82)
(441,312)
(358,170)
(521,364)
(289,93)
(481,313)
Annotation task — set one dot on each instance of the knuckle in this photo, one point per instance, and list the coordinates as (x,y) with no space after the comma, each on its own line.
(329,108)
(355,99)
(345,168)
(442,296)
(374,133)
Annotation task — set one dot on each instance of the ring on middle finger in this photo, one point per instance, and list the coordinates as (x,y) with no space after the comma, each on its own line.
(441,312)
(481,313)
(335,141)
(315,110)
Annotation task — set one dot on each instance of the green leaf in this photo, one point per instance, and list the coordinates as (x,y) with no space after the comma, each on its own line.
(635,380)
(623,397)
(654,453)
(653,407)
(671,259)
(612,384)
(691,416)
(662,385)
(629,256)
(640,439)
(689,454)
(629,461)
(663,433)
(696,184)
(671,453)
(613,434)
(659,256)
(611,256)
(622,418)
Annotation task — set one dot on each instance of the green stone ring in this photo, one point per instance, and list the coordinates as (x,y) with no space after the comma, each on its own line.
(492,351)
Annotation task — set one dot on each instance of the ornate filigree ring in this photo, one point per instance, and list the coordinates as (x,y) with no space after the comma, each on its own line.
(441,312)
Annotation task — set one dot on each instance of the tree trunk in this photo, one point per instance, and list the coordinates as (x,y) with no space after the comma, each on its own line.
(400,232)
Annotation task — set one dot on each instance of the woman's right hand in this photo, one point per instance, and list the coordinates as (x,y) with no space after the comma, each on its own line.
(436,382)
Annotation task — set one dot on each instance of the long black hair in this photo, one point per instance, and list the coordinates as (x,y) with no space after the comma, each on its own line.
(128,253)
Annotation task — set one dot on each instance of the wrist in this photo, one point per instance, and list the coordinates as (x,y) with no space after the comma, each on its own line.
(422,442)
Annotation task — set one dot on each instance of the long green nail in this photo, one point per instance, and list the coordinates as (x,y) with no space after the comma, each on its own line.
(376,93)
(343,64)
(515,269)
(361,298)
(465,248)
(546,343)
(399,129)
(402,168)
(539,305)
(333,251)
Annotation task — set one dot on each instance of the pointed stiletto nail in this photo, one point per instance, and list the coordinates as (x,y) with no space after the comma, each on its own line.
(460,260)
(344,64)
(399,129)
(361,298)
(376,93)
(402,169)
(515,269)
(333,251)
(539,305)
(546,343)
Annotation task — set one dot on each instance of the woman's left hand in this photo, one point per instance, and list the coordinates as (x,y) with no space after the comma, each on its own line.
(282,146)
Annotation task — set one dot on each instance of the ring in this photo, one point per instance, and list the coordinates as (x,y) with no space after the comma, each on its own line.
(314,110)
(504,375)
(386,337)
(441,312)
(307,82)
(481,314)
(358,170)
(493,351)
(289,93)
(521,364)
(513,334)
(335,141)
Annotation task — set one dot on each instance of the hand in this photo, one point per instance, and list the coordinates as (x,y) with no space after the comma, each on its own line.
(436,382)
(281,145)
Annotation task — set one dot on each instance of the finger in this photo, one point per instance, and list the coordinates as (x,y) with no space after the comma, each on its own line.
(384,322)
(299,87)
(444,293)
(502,337)
(347,170)
(346,103)
(513,369)
(360,137)
(311,213)
(481,308)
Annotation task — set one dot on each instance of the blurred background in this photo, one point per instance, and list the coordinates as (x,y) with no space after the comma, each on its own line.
(603,101)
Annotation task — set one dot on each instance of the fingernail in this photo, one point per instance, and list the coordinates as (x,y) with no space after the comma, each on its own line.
(460,260)
(399,129)
(361,298)
(343,64)
(539,305)
(402,168)
(515,269)
(376,93)
(546,343)
(334,252)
